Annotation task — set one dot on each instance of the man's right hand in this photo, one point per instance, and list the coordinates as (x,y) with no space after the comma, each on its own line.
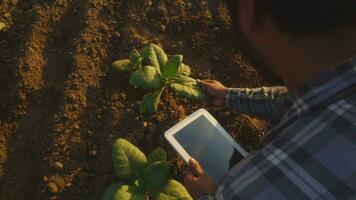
(216,90)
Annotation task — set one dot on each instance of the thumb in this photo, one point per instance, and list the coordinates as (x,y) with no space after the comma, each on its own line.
(195,167)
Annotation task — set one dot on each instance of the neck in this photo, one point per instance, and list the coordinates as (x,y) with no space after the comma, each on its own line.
(306,59)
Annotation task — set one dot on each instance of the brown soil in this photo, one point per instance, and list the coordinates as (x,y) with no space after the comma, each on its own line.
(62,106)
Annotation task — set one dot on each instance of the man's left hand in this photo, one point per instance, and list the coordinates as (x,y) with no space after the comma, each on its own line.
(197,181)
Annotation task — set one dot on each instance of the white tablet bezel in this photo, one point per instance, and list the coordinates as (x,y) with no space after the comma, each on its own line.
(169,134)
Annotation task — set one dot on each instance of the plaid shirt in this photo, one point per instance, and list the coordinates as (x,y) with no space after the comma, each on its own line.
(310,149)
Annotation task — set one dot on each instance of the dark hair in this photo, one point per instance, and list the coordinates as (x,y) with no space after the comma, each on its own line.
(300,17)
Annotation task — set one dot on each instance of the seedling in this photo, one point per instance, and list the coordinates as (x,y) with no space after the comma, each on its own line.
(152,69)
(147,177)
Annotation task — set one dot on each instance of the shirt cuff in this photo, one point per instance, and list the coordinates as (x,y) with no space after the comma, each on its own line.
(229,97)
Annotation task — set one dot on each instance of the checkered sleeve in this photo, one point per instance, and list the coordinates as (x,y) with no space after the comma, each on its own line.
(260,102)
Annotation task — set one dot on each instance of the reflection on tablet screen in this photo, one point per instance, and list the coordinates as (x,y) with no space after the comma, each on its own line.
(206,144)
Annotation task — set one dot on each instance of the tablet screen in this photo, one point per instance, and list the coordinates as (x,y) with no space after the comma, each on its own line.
(205,143)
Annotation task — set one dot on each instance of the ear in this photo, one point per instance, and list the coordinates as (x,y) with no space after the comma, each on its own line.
(248,16)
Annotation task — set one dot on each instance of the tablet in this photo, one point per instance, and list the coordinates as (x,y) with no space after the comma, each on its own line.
(201,137)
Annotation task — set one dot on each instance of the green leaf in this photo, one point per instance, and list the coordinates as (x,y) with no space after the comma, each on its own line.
(157,154)
(148,78)
(188,87)
(128,160)
(2,25)
(136,59)
(149,56)
(123,192)
(150,101)
(173,191)
(161,56)
(184,69)
(134,55)
(122,65)
(156,175)
(170,69)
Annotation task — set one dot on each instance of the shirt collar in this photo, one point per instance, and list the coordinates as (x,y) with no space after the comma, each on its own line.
(319,93)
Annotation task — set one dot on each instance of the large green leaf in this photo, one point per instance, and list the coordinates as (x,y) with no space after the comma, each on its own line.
(184,70)
(122,65)
(123,192)
(170,69)
(173,191)
(135,59)
(149,56)
(157,154)
(148,78)
(156,175)
(150,101)
(161,56)
(128,160)
(188,87)
(2,25)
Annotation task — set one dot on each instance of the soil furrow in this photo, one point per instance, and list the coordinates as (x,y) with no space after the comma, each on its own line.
(43,59)
(70,141)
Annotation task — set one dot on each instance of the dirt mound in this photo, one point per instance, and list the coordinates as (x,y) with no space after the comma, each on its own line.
(62,106)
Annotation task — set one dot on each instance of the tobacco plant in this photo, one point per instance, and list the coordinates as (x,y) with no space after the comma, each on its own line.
(146,177)
(152,69)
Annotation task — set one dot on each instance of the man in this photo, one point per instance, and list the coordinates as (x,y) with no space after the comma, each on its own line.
(310,147)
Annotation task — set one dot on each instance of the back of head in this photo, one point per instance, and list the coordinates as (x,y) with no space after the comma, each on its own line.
(300,17)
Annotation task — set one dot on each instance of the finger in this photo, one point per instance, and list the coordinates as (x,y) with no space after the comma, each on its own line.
(210,81)
(204,82)
(189,177)
(195,167)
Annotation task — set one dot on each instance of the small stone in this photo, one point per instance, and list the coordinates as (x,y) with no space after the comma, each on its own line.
(162,28)
(76,126)
(58,165)
(144,124)
(92,152)
(117,34)
(53,187)
(71,97)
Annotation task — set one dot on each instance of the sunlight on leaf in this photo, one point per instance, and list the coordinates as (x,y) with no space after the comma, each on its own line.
(184,70)
(174,191)
(149,56)
(122,65)
(161,56)
(188,87)
(2,26)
